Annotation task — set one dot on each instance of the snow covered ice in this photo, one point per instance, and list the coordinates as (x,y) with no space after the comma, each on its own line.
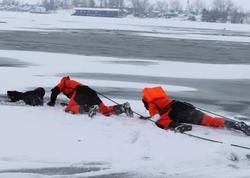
(47,142)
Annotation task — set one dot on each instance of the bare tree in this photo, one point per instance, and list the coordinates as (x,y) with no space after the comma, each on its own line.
(140,7)
(83,3)
(101,3)
(222,9)
(46,4)
(121,3)
(75,2)
(222,5)
(9,2)
(219,5)
(162,6)
(91,3)
(64,3)
(175,5)
(112,3)
(197,6)
(237,15)
(229,6)
(116,3)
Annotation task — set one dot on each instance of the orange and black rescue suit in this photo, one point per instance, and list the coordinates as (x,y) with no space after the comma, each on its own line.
(172,112)
(81,97)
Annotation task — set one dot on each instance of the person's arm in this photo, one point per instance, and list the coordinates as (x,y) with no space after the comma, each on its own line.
(164,121)
(54,92)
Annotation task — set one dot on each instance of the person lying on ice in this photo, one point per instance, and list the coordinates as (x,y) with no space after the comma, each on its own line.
(83,99)
(32,97)
(172,113)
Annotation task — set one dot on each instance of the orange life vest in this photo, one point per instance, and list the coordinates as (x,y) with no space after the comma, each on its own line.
(157,99)
(68,86)
(151,94)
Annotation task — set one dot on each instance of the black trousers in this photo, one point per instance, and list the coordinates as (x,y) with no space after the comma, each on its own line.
(183,112)
(86,97)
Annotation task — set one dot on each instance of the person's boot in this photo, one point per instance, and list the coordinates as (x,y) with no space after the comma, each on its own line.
(93,110)
(14,95)
(123,108)
(128,110)
(118,109)
(242,126)
(183,128)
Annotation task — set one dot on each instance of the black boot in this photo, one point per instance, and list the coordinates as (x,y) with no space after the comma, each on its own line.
(118,109)
(123,108)
(88,109)
(242,126)
(128,110)
(183,128)
(93,110)
(179,127)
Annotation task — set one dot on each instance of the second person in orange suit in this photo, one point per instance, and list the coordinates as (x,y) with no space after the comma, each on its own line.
(173,113)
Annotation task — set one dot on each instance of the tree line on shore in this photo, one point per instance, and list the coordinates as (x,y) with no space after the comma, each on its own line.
(218,11)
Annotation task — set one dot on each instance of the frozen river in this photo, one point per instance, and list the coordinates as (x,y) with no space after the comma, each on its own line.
(231,95)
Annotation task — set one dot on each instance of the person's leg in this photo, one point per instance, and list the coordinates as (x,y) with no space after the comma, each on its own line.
(15,95)
(116,109)
(222,122)
(106,110)
(183,113)
(213,121)
(86,99)
(73,106)
(89,96)
(238,126)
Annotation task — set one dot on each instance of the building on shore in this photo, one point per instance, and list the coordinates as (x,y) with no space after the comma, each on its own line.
(97,12)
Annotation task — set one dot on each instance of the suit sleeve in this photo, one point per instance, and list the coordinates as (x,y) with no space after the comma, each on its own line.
(166,122)
(60,86)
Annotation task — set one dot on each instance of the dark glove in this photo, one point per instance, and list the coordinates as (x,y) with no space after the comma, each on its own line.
(183,128)
(53,96)
(51,103)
